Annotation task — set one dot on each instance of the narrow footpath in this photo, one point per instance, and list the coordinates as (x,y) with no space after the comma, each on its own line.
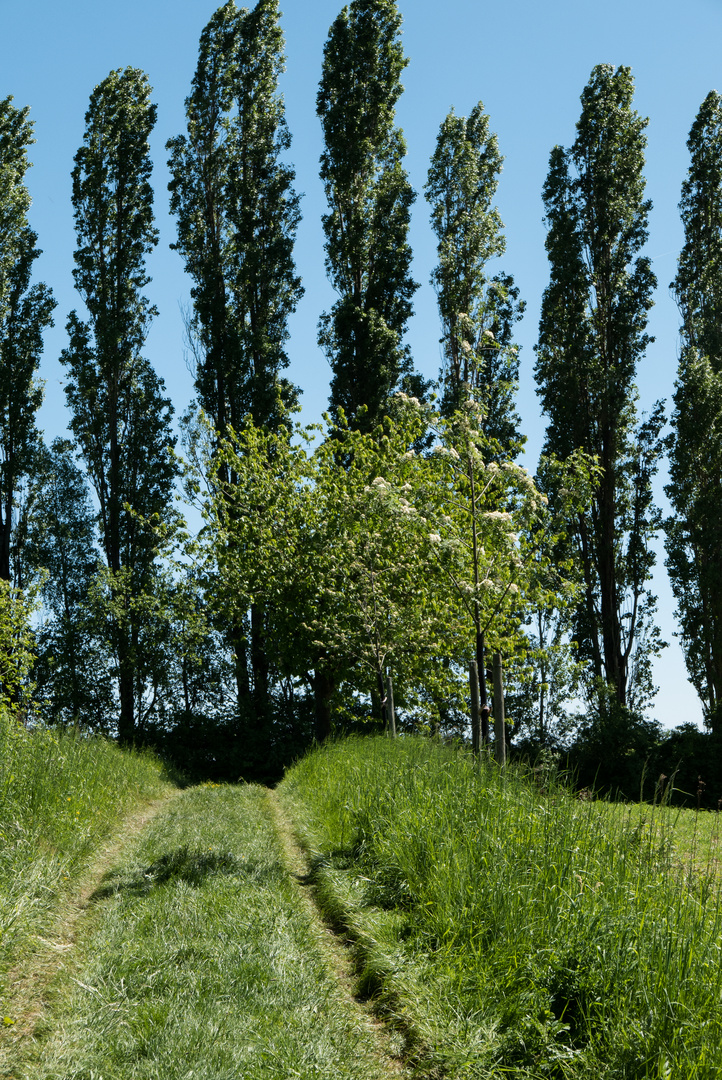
(195,951)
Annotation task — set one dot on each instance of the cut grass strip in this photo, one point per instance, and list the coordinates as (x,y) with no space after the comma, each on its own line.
(201,959)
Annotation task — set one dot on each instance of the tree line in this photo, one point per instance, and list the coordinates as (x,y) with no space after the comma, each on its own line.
(402,536)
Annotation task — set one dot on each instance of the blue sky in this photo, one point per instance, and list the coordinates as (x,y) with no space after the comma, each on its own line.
(528,62)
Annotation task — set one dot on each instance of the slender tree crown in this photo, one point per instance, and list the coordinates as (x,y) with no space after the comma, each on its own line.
(592,335)
(694,532)
(113,204)
(477,313)
(119,414)
(237,216)
(368,257)
(25,312)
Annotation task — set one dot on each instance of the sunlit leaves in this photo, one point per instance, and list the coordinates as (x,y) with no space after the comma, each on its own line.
(368,555)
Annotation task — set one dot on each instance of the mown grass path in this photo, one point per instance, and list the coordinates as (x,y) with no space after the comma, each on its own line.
(201,956)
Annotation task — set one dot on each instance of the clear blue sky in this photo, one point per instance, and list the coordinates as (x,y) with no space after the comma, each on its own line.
(528,62)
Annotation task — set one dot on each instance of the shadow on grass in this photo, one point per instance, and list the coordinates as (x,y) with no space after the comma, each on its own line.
(186,865)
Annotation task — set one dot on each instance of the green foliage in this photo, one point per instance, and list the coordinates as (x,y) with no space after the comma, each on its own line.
(694,556)
(368,257)
(331,545)
(25,312)
(520,931)
(237,216)
(591,338)
(493,531)
(367,555)
(477,313)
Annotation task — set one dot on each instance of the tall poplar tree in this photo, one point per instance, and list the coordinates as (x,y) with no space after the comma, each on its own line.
(25,311)
(592,335)
(120,415)
(477,312)
(237,215)
(694,532)
(368,256)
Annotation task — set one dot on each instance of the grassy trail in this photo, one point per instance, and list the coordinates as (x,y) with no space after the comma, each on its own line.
(199,955)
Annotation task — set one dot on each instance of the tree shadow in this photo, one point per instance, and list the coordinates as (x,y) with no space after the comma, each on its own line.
(193,867)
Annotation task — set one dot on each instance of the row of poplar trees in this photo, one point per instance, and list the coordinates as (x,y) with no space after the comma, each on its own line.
(127,643)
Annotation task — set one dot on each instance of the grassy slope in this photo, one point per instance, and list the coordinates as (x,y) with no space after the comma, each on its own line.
(523,933)
(200,959)
(60,798)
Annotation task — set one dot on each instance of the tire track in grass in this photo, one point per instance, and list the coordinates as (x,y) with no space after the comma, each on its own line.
(390,1043)
(201,957)
(28,981)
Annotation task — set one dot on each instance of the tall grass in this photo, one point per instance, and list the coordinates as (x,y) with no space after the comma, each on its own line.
(60,796)
(533,934)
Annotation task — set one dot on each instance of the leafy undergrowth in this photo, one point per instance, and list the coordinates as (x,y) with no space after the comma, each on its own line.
(200,959)
(60,797)
(516,930)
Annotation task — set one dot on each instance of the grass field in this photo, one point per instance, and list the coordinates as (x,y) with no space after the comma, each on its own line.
(517,930)
(501,926)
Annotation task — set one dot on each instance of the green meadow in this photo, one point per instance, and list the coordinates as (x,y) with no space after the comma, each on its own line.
(392,908)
